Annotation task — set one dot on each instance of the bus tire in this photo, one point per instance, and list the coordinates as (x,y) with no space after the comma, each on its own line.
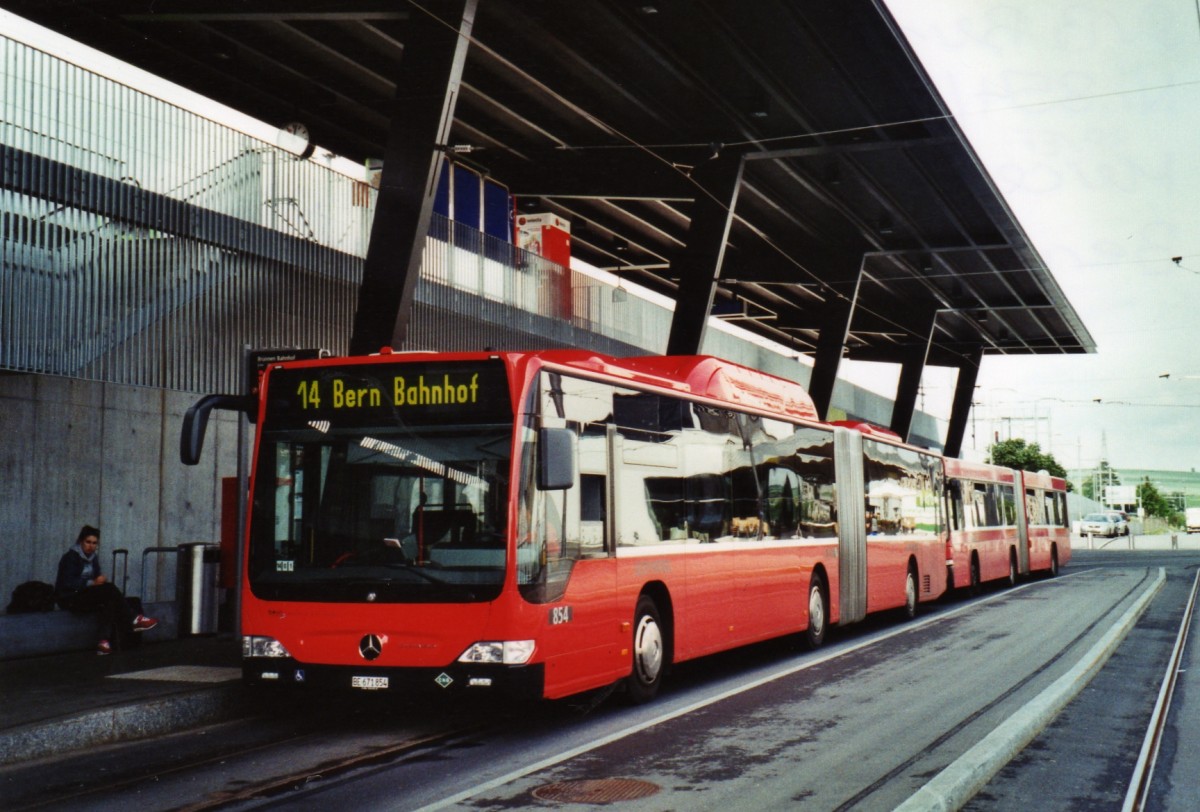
(974,589)
(649,652)
(1054,561)
(1012,568)
(911,596)
(818,612)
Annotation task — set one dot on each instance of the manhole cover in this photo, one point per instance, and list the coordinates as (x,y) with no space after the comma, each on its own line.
(596,790)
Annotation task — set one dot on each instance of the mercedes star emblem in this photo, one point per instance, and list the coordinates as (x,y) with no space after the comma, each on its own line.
(370,647)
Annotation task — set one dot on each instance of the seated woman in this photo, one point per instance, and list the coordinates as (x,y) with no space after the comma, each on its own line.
(82,587)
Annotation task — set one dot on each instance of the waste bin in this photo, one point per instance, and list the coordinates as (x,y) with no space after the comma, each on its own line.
(196,588)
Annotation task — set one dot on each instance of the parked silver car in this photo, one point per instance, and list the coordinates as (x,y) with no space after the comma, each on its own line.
(1122,521)
(1103,524)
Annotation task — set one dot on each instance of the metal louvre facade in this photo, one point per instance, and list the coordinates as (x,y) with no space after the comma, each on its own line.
(143,244)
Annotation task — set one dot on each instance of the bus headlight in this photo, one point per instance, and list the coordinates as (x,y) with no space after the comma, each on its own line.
(254,646)
(508,652)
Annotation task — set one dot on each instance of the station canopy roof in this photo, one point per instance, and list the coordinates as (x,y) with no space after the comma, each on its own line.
(601,111)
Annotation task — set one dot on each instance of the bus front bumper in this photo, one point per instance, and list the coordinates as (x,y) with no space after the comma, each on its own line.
(458,679)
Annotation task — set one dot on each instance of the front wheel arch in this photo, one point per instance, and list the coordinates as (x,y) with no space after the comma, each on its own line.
(650,650)
(818,611)
(912,591)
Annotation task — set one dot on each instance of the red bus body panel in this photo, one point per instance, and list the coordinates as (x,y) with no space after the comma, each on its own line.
(416,635)
(992,545)
(714,595)
(1044,537)
(888,558)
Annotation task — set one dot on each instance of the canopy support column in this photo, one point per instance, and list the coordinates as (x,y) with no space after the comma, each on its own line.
(964,394)
(911,369)
(423,108)
(699,267)
(831,343)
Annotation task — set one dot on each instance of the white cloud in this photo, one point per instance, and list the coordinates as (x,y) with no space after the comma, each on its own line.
(1087,117)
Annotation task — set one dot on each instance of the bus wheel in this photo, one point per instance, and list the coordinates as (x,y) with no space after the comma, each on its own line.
(974,588)
(649,652)
(910,593)
(1054,562)
(1012,568)
(818,616)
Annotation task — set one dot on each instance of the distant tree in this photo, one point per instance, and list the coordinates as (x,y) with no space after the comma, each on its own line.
(1153,502)
(1016,453)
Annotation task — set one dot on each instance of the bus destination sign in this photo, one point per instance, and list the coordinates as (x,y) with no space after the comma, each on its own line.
(384,394)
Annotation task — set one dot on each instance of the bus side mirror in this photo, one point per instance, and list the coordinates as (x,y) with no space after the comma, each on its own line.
(195,422)
(557,452)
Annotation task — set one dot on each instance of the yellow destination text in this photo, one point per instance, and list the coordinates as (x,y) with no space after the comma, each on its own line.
(345,397)
(420,393)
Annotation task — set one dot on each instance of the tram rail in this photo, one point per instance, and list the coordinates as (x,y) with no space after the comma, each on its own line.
(1143,773)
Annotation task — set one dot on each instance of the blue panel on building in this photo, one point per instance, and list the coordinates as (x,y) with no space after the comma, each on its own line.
(462,202)
(497,211)
(441,198)
(467,191)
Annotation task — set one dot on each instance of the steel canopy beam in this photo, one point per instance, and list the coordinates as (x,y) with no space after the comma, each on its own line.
(912,366)
(964,393)
(699,266)
(427,86)
(851,148)
(831,341)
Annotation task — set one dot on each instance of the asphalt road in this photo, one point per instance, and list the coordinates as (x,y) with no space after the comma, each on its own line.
(885,710)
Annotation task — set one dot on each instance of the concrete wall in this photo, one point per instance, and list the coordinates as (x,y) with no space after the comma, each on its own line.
(76,452)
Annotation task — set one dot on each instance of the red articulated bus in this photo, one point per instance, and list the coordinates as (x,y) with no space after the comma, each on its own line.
(545,523)
(1046,523)
(994,534)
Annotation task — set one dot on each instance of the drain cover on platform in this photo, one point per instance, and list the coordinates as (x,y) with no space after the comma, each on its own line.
(596,790)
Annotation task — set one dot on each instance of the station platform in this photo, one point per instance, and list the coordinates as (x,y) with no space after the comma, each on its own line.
(59,703)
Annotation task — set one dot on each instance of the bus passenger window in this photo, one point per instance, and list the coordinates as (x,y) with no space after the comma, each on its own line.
(980,512)
(954,505)
(745,522)
(1050,505)
(783,502)
(592,510)
(707,501)
(1008,506)
(902,497)
(1033,507)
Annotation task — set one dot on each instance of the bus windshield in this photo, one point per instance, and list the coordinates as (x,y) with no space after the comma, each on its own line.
(382,483)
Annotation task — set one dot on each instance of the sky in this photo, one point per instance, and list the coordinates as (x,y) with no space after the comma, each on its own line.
(1087,118)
